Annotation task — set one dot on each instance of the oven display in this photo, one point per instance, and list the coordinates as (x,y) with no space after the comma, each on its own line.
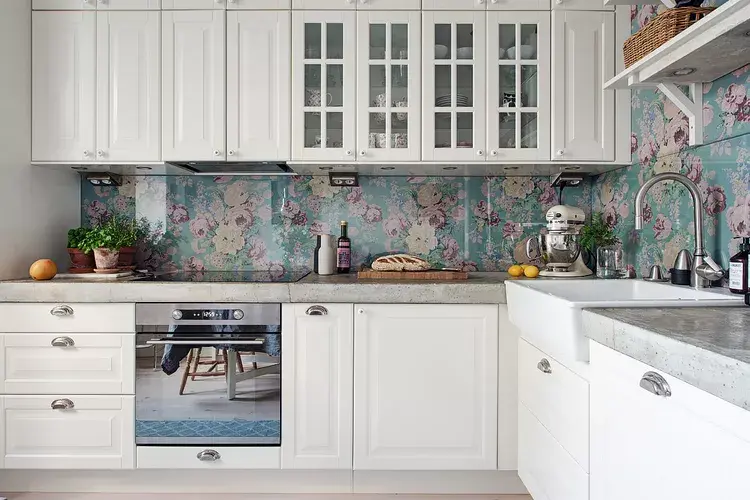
(207,314)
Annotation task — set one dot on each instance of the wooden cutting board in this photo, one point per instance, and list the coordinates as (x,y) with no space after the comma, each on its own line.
(368,274)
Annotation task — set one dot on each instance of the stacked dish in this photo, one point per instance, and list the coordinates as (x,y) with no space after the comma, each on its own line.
(445,101)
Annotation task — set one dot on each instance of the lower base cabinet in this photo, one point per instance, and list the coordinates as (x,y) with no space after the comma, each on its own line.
(67,432)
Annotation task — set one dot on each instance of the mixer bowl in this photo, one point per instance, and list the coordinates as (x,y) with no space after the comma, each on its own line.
(557,250)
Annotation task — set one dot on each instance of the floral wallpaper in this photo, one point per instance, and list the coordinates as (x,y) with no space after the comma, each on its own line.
(240,223)
(659,143)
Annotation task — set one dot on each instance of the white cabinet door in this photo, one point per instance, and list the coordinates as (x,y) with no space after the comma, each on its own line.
(63,86)
(258,4)
(96,432)
(63,4)
(518,86)
(388,86)
(128,86)
(258,74)
(317,384)
(324,4)
(583,113)
(460,5)
(128,4)
(194,4)
(518,4)
(453,93)
(690,445)
(323,85)
(194,88)
(425,387)
(581,5)
(389,5)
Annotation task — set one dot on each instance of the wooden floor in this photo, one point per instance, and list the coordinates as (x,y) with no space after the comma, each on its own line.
(89,496)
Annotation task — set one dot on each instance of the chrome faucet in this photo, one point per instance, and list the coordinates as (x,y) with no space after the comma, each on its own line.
(705,269)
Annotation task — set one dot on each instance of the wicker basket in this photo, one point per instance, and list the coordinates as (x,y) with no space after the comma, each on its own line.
(660,30)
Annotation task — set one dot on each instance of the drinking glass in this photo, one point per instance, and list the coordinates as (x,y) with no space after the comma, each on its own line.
(609,263)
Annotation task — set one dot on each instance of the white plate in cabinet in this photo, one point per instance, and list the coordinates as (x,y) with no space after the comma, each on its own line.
(81,432)
(79,363)
(67,318)
(129,5)
(258,4)
(220,457)
(194,4)
(425,387)
(546,469)
(557,397)
(63,4)
(689,445)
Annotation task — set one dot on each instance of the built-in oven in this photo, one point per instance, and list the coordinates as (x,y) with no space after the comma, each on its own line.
(217,375)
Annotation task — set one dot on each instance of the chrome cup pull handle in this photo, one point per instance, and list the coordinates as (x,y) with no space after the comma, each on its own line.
(62,404)
(316,311)
(655,384)
(63,342)
(208,456)
(544,366)
(61,311)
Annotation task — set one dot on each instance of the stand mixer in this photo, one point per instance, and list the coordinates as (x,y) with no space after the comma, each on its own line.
(560,247)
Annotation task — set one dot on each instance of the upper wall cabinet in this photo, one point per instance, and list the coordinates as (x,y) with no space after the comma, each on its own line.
(96,4)
(128,86)
(63,4)
(194,88)
(63,87)
(194,4)
(484,4)
(323,85)
(388,86)
(258,4)
(581,5)
(583,114)
(388,5)
(518,4)
(258,75)
(325,4)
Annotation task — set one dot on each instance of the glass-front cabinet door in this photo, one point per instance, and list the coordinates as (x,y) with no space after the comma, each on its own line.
(323,85)
(518,79)
(388,86)
(453,57)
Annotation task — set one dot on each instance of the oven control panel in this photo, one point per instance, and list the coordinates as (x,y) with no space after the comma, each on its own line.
(207,314)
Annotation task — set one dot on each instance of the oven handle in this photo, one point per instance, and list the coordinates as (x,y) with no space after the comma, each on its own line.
(204,343)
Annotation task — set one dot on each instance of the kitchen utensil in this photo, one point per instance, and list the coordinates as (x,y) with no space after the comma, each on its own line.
(560,247)
(527,52)
(655,274)
(609,263)
(509,99)
(465,52)
(313,98)
(441,51)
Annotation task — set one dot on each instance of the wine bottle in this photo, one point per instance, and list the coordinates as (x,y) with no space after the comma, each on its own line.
(343,251)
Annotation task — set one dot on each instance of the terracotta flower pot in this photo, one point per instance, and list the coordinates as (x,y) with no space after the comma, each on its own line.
(106,258)
(80,260)
(127,257)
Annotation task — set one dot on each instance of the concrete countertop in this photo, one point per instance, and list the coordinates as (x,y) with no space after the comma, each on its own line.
(708,348)
(480,288)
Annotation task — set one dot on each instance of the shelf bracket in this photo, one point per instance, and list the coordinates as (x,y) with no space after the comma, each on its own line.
(692,106)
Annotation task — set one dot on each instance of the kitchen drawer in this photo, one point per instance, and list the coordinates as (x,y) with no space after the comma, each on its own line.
(559,399)
(76,363)
(67,318)
(229,457)
(98,432)
(546,469)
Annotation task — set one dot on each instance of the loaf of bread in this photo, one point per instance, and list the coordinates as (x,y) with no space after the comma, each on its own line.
(400,262)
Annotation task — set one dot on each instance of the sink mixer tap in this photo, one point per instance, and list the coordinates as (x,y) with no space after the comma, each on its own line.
(705,269)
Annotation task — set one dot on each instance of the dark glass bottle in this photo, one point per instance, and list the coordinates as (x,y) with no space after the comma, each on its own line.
(343,251)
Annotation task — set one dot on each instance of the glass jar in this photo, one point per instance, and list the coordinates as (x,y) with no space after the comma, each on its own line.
(610,263)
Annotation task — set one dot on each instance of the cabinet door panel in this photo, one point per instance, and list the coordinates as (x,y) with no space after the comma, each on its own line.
(425,382)
(258,74)
(63,4)
(518,4)
(583,113)
(63,86)
(194,115)
(317,387)
(129,5)
(388,86)
(128,65)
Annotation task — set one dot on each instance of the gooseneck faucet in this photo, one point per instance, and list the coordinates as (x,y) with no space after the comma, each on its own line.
(704,268)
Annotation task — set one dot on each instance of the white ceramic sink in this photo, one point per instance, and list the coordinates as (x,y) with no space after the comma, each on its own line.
(548,313)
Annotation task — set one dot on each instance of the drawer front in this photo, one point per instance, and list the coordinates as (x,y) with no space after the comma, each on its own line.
(97,432)
(67,318)
(186,457)
(76,363)
(546,469)
(559,399)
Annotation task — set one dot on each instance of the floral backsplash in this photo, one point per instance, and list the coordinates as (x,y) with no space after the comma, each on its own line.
(237,223)
(659,143)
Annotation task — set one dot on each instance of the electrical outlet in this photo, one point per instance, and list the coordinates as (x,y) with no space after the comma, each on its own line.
(340,179)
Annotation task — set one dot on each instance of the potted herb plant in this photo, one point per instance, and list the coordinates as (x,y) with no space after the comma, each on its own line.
(81,256)
(107,239)
(596,234)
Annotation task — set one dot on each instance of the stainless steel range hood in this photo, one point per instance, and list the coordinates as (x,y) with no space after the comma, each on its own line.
(214,168)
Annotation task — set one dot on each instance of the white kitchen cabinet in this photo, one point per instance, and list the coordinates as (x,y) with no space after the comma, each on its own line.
(194,85)
(689,445)
(317,380)
(580,5)
(63,4)
(425,387)
(67,318)
(128,86)
(324,4)
(258,4)
(518,4)
(459,5)
(389,5)
(258,85)
(128,4)
(64,86)
(453,91)
(518,86)
(323,85)
(583,113)
(83,432)
(388,86)
(194,4)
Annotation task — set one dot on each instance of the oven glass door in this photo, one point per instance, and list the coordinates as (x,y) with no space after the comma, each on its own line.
(208,385)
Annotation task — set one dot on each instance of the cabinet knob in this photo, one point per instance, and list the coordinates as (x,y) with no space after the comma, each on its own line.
(494,1)
(208,456)
(62,342)
(100,153)
(316,311)
(217,152)
(362,152)
(348,152)
(560,152)
(61,311)
(360,311)
(480,152)
(62,404)
(230,152)
(86,153)
(559,2)
(493,152)
(655,384)
(544,366)
(481,2)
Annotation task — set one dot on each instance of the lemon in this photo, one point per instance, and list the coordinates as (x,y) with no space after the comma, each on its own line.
(531,272)
(515,271)
(524,265)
